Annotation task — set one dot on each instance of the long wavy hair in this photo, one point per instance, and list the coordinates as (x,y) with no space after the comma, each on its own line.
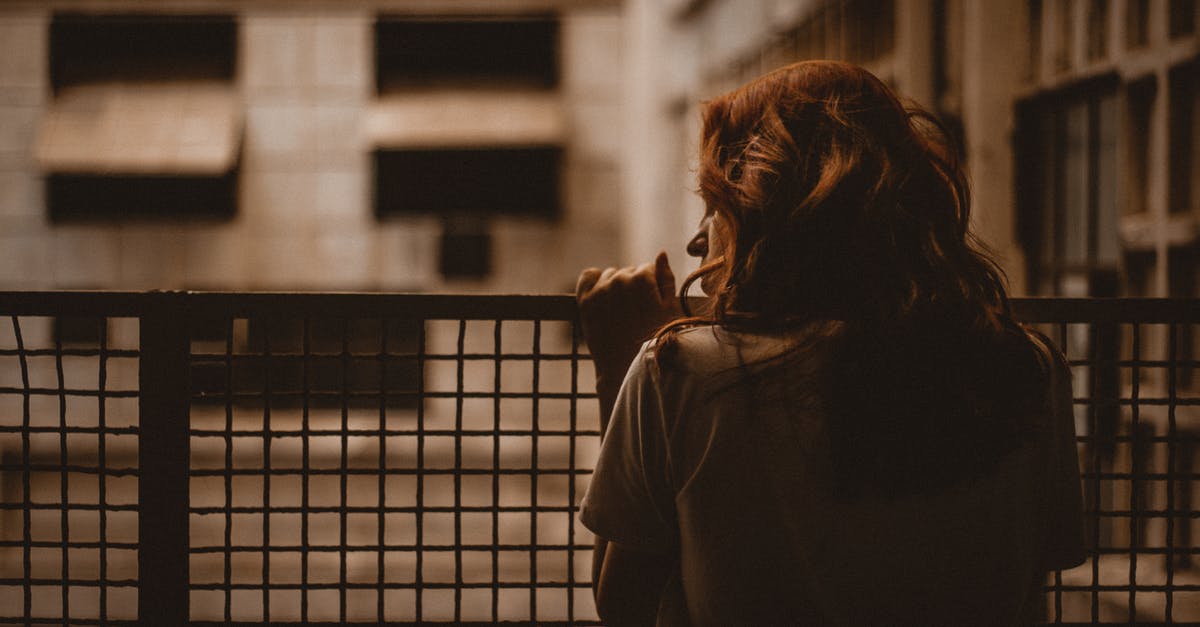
(841,206)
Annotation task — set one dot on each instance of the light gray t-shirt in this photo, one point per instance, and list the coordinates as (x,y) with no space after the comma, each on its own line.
(734,484)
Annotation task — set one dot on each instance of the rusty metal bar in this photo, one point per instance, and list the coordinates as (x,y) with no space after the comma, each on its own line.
(507,307)
(164,381)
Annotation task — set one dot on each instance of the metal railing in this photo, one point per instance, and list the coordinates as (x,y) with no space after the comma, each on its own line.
(205,458)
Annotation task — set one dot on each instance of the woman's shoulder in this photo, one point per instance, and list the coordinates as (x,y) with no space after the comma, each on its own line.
(1053,362)
(694,350)
(1045,346)
(709,349)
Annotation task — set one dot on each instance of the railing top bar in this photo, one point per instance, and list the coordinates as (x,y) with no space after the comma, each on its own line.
(366,305)
(294,304)
(491,306)
(1114,310)
(82,303)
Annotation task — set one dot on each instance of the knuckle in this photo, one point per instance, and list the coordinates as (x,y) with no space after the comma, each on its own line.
(643,283)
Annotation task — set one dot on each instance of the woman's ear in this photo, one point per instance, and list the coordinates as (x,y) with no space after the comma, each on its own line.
(698,245)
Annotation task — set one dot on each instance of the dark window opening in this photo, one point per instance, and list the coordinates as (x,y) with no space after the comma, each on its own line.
(1182,137)
(947,57)
(343,363)
(1069,205)
(1065,37)
(466,249)
(1034,15)
(106,198)
(87,48)
(100,51)
(491,181)
(1097,29)
(870,29)
(519,51)
(79,332)
(1182,283)
(1140,97)
(1183,18)
(1137,23)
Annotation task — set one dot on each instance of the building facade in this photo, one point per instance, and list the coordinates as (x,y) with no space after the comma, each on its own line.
(277,146)
(1076,118)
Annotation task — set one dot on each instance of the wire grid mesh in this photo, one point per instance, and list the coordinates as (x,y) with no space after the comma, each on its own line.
(399,460)
(68,470)
(1137,416)
(446,494)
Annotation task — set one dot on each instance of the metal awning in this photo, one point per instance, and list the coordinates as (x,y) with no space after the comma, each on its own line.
(177,128)
(454,119)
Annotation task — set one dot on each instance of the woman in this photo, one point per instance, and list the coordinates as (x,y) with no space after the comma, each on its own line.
(858,432)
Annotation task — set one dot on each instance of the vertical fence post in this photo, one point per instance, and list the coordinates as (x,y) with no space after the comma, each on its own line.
(164,384)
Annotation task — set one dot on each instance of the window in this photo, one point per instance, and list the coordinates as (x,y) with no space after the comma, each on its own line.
(1182,283)
(467,125)
(947,33)
(1033,15)
(1183,18)
(870,29)
(486,181)
(466,249)
(145,122)
(1064,40)
(1183,201)
(1183,137)
(947,69)
(1097,30)
(1140,98)
(100,198)
(520,51)
(1067,190)
(88,48)
(1137,23)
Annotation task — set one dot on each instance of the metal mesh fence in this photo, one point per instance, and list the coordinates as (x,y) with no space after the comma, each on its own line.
(1136,404)
(257,458)
(68,470)
(446,494)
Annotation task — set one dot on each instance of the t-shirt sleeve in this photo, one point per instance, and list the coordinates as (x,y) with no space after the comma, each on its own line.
(1065,547)
(629,500)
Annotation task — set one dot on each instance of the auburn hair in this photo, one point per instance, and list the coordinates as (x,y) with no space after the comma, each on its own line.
(837,202)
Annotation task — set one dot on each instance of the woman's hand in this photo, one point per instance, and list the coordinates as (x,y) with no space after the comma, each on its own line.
(619,309)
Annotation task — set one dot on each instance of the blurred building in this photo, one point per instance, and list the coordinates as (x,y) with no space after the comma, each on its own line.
(373,145)
(436,145)
(1078,118)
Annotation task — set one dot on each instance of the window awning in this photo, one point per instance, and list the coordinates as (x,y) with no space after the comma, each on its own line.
(460,119)
(178,128)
